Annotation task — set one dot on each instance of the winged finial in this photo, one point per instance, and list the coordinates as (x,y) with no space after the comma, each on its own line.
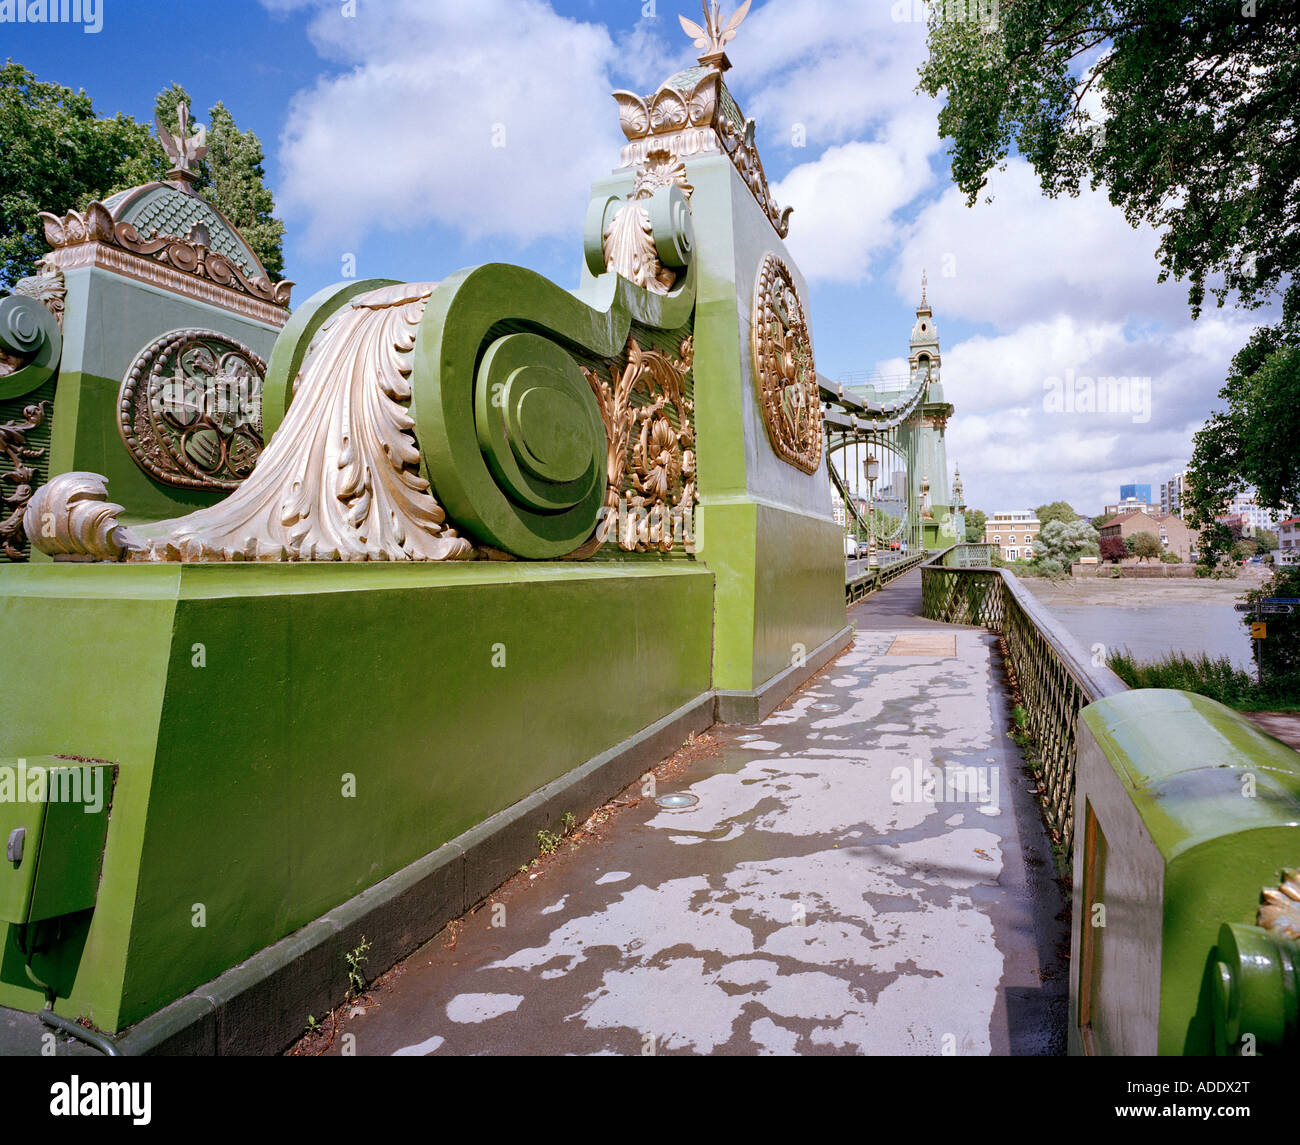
(183,149)
(714,36)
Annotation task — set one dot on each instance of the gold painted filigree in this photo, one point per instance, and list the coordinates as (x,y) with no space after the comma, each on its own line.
(190,410)
(340,480)
(20,474)
(697,122)
(740,145)
(785,370)
(1281,910)
(649,421)
(48,287)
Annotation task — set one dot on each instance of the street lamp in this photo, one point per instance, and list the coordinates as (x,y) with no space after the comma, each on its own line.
(872,469)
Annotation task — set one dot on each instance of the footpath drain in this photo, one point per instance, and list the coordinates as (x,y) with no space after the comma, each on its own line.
(677,802)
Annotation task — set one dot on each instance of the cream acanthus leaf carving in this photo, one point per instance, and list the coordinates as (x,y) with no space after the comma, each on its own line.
(70,518)
(631,247)
(340,479)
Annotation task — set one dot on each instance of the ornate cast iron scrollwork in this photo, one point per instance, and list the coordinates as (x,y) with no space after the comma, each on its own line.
(190,410)
(649,422)
(190,255)
(21,475)
(783,363)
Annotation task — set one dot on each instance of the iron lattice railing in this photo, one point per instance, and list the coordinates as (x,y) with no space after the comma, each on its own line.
(862,586)
(1054,677)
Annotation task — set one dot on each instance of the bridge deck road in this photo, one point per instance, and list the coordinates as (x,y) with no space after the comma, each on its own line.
(819,898)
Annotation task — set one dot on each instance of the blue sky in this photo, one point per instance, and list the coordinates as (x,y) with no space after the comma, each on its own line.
(378,129)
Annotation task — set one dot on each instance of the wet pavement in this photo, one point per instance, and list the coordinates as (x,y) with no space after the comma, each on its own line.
(864,872)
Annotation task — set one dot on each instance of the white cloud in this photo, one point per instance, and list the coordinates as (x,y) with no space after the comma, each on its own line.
(490,118)
(1017,448)
(845,200)
(835,68)
(1026,256)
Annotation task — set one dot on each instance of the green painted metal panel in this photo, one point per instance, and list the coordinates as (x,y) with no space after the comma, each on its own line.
(236,700)
(1218,806)
(63,812)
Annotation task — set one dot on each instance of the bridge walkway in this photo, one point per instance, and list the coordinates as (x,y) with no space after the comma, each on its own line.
(817,899)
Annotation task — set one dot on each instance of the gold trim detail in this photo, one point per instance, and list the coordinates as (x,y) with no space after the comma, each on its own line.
(48,287)
(190,410)
(190,257)
(784,368)
(13,444)
(629,243)
(685,124)
(70,518)
(1281,910)
(649,420)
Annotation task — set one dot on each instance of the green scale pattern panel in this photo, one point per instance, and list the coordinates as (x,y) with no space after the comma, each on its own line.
(37,441)
(172,213)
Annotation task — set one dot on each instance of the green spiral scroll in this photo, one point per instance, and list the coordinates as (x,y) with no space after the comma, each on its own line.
(510,433)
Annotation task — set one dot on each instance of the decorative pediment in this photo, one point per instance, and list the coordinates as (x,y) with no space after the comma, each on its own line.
(189,255)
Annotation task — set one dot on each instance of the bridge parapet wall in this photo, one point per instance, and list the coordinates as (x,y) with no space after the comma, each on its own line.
(1186,810)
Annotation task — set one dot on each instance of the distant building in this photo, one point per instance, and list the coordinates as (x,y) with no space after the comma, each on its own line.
(1245,506)
(1135,493)
(1175,536)
(1172,494)
(1130,505)
(1288,535)
(1013,534)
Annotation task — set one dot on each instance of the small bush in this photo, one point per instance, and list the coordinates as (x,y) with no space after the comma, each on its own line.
(1217,678)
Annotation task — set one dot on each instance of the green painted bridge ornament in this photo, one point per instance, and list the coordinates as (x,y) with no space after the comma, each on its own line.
(31,345)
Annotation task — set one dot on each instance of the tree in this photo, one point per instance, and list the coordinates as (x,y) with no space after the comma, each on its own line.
(976,519)
(1267,540)
(1113,549)
(1249,444)
(1280,653)
(1146,546)
(57,154)
(1056,511)
(1197,136)
(1060,544)
(1196,133)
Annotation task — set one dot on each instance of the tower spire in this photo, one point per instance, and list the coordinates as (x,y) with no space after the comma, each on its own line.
(924,287)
